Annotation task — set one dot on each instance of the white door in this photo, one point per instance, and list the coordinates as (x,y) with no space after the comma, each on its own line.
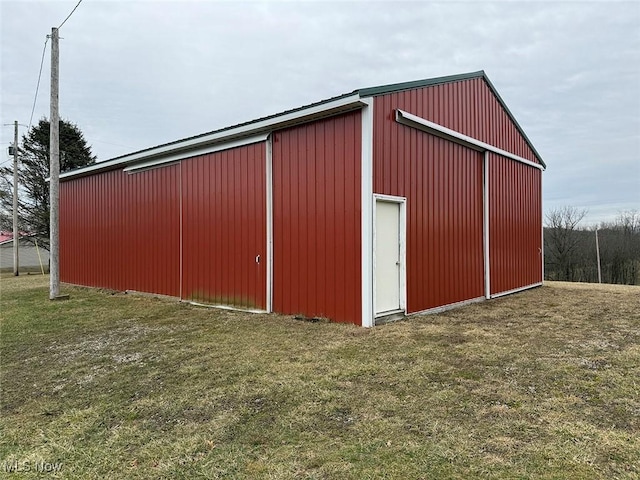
(387,257)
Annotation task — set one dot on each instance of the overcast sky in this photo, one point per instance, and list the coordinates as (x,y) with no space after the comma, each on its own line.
(135,74)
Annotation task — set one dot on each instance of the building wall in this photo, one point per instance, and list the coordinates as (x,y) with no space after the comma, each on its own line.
(443,185)
(28,256)
(316,216)
(122,231)
(442,182)
(467,106)
(224,227)
(515,224)
(194,229)
(126,231)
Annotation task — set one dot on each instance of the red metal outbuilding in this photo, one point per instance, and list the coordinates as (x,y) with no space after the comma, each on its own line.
(384,202)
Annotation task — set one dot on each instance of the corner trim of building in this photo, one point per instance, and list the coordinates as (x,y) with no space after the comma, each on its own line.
(269,246)
(366,195)
(423,124)
(541,231)
(485,224)
(180,202)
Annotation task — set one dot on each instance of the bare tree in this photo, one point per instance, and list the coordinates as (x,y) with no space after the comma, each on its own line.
(622,248)
(570,252)
(562,242)
(629,221)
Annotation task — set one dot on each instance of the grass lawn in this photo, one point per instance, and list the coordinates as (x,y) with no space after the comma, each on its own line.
(542,384)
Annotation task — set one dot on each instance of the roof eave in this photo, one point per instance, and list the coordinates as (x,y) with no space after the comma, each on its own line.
(312,112)
(398,87)
(323,109)
(429,82)
(515,122)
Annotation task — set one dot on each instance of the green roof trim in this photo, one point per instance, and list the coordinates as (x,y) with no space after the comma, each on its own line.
(430,82)
(513,119)
(237,125)
(179,145)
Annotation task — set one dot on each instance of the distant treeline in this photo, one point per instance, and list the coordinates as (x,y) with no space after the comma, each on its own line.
(570,250)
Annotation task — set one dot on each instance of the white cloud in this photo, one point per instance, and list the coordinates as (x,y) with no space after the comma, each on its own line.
(137,74)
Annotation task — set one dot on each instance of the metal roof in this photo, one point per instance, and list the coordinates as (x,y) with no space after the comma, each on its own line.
(428,82)
(270,121)
(243,124)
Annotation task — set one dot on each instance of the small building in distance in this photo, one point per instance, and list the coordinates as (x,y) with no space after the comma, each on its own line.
(31,257)
(383,202)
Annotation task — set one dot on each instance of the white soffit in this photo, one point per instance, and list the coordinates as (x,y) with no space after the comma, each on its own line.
(185,148)
(197,152)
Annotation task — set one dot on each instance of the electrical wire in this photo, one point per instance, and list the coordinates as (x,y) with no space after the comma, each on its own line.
(44,51)
(69,16)
(35,98)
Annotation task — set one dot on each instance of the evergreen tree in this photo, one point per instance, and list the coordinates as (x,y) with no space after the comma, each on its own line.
(33,171)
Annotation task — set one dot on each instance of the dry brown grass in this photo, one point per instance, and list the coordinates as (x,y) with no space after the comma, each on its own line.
(542,384)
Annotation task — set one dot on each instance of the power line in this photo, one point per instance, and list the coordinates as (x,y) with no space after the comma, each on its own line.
(44,51)
(69,16)
(35,98)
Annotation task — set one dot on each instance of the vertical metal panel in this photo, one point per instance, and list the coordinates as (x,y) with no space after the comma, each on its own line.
(514,220)
(122,231)
(443,185)
(467,106)
(224,227)
(317,229)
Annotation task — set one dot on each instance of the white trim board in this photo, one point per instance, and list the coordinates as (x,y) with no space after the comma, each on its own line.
(425,125)
(366,214)
(197,152)
(541,229)
(181,230)
(485,224)
(283,120)
(269,192)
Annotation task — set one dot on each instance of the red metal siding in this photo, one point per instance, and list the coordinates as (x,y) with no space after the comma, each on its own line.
(122,231)
(443,185)
(316,215)
(442,182)
(515,222)
(467,106)
(224,227)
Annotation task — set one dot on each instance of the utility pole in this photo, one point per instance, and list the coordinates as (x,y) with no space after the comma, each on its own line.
(54,174)
(16,233)
(598,255)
